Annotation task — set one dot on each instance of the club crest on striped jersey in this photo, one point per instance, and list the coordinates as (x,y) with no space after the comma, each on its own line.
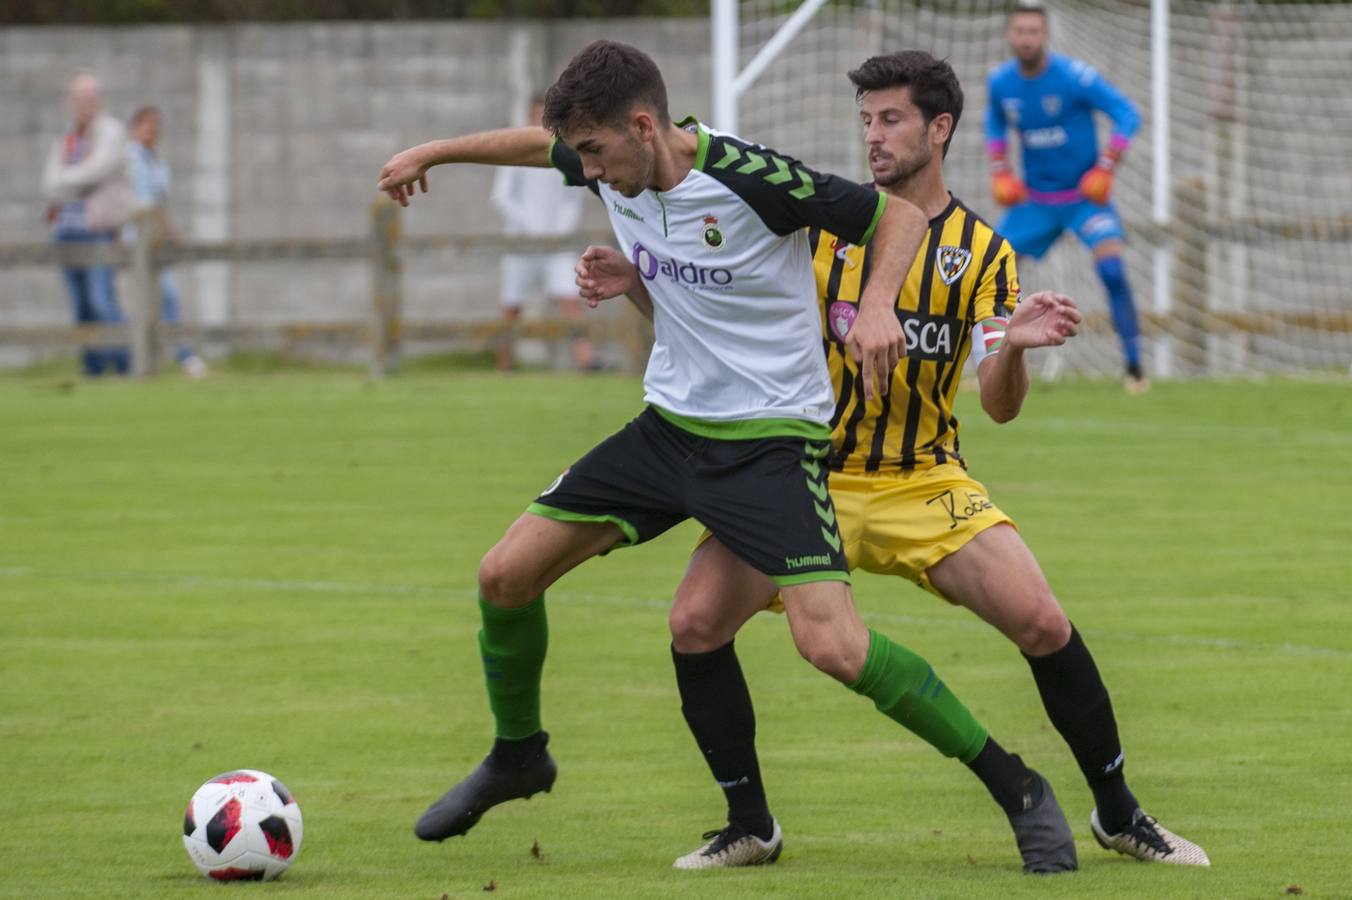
(952,262)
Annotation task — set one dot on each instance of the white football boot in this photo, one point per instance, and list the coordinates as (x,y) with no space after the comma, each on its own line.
(1148,840)
(732,846)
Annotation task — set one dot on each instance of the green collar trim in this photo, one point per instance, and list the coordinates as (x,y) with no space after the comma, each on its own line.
(702,151)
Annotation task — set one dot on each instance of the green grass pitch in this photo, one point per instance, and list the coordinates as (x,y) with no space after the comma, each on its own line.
(278,573)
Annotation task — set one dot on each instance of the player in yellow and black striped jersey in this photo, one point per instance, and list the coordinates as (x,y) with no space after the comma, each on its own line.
(904,501)
(964,275)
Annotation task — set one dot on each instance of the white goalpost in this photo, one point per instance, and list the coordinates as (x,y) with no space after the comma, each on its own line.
(1236,195)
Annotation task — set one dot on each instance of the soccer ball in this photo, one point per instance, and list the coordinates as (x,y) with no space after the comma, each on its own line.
(242,826)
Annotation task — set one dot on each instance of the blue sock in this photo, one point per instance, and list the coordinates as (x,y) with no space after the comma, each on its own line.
(1114,275)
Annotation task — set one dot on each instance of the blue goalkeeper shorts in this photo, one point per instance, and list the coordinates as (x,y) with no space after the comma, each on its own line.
(1033,227)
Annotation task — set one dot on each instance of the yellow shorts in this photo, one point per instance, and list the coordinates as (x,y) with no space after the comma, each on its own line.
(903,524)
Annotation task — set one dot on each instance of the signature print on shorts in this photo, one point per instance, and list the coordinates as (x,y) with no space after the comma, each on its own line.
(960,508)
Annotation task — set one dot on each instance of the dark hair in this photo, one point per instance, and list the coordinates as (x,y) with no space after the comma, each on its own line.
(933,83)
(601,85)
(142,113)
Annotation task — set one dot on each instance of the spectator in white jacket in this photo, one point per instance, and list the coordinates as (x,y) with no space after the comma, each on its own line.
(85,184)
(536,203)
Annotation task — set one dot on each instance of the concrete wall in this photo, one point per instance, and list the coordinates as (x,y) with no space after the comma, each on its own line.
(280,130)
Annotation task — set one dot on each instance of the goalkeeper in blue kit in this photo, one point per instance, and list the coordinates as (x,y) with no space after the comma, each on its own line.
(1050,100)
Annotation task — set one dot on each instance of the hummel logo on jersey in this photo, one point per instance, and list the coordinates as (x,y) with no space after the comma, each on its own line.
(626,211)
(650,266)
(952,262)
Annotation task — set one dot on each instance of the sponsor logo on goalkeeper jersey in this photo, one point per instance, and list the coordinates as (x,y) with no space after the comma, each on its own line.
(1044,138)
(653,267)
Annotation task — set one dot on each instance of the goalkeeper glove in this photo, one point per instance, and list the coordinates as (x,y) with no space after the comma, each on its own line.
(1097,184)
(1006,187)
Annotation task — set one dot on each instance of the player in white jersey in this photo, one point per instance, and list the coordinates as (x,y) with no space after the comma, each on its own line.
(735,430)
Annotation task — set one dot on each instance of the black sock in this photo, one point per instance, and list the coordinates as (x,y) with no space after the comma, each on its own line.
(717,706)
(1078,705)
(519,751)
(1010,782)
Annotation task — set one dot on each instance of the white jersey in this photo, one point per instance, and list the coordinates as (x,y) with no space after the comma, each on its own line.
(535,202)
(725,259)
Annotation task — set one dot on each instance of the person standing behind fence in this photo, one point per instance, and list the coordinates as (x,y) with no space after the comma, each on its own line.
(150,180)
(537,203)
(85,184)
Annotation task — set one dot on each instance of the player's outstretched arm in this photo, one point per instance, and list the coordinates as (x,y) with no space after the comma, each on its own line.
(406,171)
(1044,319)
(603,273)
(876,339)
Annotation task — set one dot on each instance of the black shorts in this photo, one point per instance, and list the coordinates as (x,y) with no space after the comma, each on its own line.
(765,498)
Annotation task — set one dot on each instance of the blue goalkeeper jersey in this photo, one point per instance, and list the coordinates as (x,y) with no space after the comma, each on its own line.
(1054,115)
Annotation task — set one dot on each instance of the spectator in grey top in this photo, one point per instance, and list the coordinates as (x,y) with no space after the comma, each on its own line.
(85,184)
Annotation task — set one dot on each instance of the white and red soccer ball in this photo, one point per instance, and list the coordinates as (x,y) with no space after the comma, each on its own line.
(242,826)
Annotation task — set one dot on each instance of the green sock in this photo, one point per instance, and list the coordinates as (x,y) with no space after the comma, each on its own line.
(513,644)
(905,689)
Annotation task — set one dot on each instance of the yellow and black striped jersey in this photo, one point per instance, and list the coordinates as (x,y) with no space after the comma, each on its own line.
(963,275)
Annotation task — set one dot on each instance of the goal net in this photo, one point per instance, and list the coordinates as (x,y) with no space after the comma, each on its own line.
(1247,268)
